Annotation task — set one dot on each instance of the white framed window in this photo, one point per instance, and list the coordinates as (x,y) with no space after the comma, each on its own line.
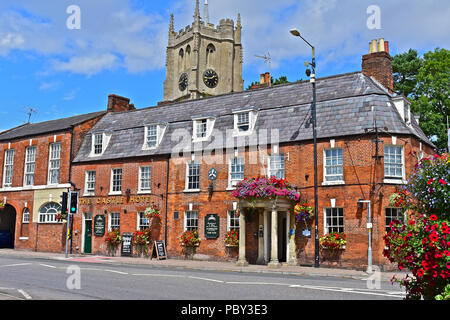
(8,168)
(48,212)
(392,214)
(98,143)
(245,121)
(89,188)
(145,179)
(236,171)
(54,163)
(232,221)
(116,181)
(193,176)
(393,162)
(190,220)
(26,215)
(333,165)
(30,162)
(143,222)
(333,220)
(152,136)
(202,128)
(114,221)
(276,166)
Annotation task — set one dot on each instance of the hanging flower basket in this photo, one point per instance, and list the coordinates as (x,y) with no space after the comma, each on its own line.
(232,238)
(190,239)
(333,241)
(256,189)
(399,199)
(152,212)
(303,212)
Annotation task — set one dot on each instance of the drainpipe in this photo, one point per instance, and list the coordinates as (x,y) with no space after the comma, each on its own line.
(167,193)
(369,227)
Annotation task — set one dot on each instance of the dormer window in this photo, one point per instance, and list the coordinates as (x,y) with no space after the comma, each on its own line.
(245,120)
(100,141)
(153,135)
(203,128)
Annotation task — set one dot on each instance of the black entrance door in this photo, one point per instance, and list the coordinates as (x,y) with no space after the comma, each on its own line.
(7,226)
(282,236)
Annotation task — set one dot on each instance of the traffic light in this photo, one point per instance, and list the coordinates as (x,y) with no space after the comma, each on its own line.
(73,202)
(64,197)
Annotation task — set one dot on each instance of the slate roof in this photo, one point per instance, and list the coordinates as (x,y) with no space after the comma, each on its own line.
(344,108)
(34,129)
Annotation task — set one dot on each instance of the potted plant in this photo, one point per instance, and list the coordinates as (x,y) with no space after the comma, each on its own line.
(61,217)
(153,212)
(141,239)
(113,240)
(333,241)
(190,240)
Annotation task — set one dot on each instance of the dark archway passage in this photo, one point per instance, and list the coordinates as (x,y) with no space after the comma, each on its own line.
(7,226)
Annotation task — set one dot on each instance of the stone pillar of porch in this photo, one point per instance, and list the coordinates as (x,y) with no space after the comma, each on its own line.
(274,263)
(242,262)
(260,259)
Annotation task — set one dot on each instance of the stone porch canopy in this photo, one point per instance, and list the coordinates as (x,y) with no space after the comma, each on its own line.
(269,210)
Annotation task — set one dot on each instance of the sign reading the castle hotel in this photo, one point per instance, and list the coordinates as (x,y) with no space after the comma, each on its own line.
(115,200)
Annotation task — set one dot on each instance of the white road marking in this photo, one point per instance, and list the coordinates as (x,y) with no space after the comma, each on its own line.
(26,295)
(15,265)
(47,265)
(206,279)
(114,271)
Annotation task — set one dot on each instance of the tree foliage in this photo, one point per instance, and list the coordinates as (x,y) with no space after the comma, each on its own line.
(426,82)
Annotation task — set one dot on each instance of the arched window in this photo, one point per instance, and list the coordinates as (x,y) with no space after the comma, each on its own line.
(26,215)
(48,212)
(210,51)
(181,60)
(188,57)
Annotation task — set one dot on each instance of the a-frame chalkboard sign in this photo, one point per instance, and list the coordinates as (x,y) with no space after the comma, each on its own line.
(159,250)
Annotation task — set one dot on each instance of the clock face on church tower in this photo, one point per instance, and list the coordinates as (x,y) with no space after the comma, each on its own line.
(210,78)
(183,82)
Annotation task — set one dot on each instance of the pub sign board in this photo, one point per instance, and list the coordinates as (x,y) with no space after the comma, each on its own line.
(160,249)
(212,226)
(127,244)
(99,226)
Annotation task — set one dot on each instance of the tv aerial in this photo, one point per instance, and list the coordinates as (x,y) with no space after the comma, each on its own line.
(268,60)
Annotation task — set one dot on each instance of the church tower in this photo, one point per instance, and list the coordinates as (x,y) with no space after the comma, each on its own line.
(203,59)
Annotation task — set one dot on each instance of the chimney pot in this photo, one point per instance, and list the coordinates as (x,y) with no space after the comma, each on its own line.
(267,77)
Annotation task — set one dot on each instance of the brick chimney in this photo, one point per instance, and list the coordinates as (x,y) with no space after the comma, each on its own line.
(378,64)
(265,81)
(117,104)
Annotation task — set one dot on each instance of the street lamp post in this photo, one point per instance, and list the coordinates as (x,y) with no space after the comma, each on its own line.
(312,75)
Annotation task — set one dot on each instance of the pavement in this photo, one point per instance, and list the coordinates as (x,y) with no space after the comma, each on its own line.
(202,265)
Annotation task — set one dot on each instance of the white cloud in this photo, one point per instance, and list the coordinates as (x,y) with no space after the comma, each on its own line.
(88,65)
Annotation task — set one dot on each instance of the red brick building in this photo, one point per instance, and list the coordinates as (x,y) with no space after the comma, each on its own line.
(187,157)
(36,169)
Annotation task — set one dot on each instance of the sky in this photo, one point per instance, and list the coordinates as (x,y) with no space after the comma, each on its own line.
(119,45)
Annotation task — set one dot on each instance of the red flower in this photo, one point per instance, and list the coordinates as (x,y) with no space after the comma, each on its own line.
(434,237)
(433,217)
(420,273)
(430,181)
(444,229)
(442,182)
